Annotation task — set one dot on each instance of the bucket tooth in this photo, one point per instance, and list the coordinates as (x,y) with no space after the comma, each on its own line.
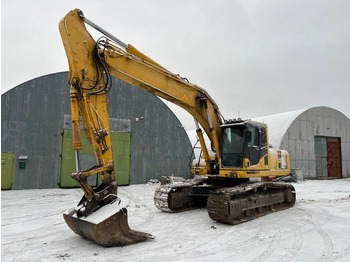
(105,229)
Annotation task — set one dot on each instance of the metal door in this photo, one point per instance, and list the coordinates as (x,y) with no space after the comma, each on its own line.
(121,153)
(87,159)
(334,157)
(7,160)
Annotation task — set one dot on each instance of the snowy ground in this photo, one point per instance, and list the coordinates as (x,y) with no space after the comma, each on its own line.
(317,228)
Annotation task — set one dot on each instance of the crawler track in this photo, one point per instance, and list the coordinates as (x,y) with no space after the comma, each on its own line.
(229,205)
(161,198)
(248,201)
(176,197)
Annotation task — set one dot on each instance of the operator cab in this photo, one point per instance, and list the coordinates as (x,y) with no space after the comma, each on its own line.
(243,139)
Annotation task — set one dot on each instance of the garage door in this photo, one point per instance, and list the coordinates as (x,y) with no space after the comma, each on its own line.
(121,153)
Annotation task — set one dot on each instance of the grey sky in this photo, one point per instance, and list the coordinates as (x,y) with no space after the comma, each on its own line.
(253,57)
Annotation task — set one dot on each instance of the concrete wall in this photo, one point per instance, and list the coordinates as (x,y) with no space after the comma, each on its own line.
(32,120)
(299,139)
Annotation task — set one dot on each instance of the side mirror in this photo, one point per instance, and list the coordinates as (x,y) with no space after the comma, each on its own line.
(248,136)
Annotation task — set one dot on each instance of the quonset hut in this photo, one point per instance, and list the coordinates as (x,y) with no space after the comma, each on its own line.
(317,139)
(36,139)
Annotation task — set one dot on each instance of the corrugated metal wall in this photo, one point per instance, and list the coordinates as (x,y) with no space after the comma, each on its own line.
(299,140)
(32,119)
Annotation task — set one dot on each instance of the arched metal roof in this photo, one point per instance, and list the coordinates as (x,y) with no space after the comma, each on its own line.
(278,124)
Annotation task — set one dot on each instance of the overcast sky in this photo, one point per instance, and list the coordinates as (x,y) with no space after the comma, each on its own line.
(255,58)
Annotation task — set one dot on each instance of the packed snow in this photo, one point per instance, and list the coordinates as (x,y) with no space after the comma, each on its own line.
(317,228)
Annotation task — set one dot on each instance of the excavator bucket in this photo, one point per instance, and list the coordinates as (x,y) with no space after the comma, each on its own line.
(105,229)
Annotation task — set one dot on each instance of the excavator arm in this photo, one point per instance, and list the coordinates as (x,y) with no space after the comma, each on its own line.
(88,100)
(90,81)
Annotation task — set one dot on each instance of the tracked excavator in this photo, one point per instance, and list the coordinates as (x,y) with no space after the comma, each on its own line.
(223,174)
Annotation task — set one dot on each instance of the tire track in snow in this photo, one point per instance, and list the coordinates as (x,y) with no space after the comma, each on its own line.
(340,255)
(149,217)
(273,244)
(298,236)
(328,245)
(126,197)
(298,241)
(134,199)
(37,236)
(327,241)
(222,241)
(29,219)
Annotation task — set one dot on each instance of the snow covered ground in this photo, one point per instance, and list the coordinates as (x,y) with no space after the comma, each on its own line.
(317,228)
